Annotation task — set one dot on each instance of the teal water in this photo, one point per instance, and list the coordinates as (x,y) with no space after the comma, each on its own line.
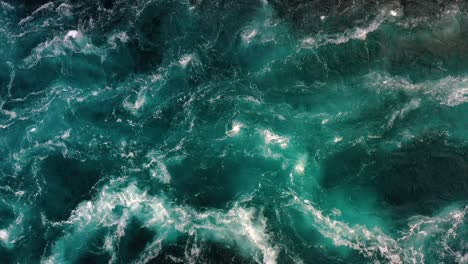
(219,131)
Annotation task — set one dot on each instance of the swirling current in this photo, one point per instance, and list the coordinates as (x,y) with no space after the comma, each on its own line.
(233,131)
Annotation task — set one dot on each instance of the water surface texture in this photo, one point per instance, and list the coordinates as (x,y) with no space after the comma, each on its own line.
(233,131)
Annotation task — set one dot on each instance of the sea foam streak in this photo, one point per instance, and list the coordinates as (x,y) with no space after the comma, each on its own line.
(238,226)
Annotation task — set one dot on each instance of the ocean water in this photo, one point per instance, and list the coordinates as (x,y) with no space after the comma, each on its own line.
(233,131)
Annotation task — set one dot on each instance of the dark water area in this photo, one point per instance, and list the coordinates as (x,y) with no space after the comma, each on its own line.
(250,131)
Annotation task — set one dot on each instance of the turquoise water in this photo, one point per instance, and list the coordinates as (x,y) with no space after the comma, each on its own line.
(249,131)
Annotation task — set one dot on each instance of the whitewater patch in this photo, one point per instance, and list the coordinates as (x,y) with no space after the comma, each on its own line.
(301,165)
(65,9)
(358,33)
(410,246)
(158,169)
(272,138)
(457,97)
(370,243)
(236,128)
(46,6)
(72,34)
(6,6)
(185,60)
(400,114)
(141,99)
(450,91)
(248,35)
(4,236)
(241,227)
(114,39)
(73,41)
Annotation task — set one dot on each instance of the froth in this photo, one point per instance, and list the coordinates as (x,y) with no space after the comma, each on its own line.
(237,227)
(272,138)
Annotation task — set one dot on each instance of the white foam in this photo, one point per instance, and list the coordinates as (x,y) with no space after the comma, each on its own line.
(247,36)
(236,128)
(4,236)
(308,41)
(450,91)
(256,234)
(299,168)
(300,165)
(25,20)
(159,171)
(185,60)
(457,97)
(358,33)
(156,78)
(140,102)
(72,34)
(409,247)
(240,227)
(369,243)
(64,9)
(336,212)
(46,6)
(337,139)
(121,36)
(129,155)
(6,5)
(252,99)
(11,114)
(400,114)
(272,138)
(73,41)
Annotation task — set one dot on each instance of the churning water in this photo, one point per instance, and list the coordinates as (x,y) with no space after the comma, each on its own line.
(233,131)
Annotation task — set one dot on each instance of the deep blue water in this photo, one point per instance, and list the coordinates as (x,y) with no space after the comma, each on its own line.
(233,131)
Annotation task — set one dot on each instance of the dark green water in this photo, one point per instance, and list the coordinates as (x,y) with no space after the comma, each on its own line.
(247,131)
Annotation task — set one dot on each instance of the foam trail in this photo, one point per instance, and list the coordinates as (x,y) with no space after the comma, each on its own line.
(237,226)
(373,244)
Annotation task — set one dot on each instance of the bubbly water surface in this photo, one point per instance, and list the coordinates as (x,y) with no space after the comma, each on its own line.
(233,131)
